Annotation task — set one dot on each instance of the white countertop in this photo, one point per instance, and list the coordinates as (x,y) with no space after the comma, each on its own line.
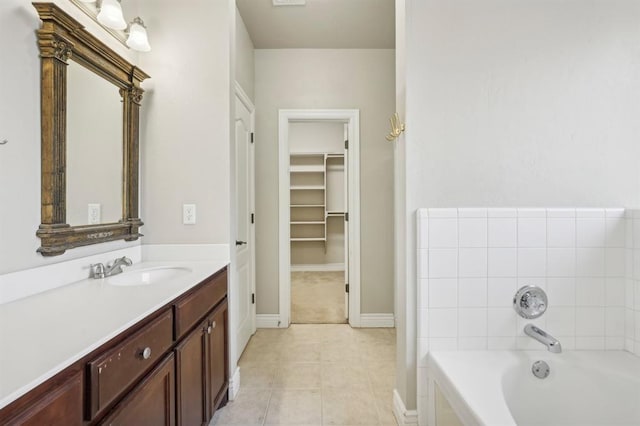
(43,334)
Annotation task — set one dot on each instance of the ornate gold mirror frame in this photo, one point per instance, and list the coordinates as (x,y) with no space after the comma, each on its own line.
(60,38)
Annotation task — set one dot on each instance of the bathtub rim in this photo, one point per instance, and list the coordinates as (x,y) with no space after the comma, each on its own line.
(475,390)
(499,414)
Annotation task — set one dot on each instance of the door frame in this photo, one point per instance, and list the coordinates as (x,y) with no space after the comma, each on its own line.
(352,118)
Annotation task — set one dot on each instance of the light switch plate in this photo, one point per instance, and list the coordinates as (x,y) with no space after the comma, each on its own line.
(189,214)
(93,211)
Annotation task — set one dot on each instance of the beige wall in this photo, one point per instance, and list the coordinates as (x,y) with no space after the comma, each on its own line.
(20,125)
(326,78)
(185,155)
(244,57)
(527,103)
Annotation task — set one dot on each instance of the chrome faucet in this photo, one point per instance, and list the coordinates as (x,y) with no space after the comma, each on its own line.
(541,336)
(99,270)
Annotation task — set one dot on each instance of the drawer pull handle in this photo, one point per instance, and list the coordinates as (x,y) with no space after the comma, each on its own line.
(146,353)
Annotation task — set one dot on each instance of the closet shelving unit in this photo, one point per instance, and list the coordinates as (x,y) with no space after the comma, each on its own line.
(308,194)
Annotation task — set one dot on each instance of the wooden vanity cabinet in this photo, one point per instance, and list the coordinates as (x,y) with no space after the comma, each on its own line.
(151,402)
(217,360)
(56,402)
(115,370)
(170,368)
(202,385)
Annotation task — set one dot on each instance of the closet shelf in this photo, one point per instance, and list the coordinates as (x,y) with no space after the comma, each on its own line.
(307,187)
(311,174)
(311,168)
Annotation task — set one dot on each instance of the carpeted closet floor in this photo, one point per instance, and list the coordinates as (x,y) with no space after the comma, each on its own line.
(317,297)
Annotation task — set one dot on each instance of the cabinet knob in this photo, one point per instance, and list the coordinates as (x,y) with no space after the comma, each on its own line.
(209,329)
(146,353)
(213,324)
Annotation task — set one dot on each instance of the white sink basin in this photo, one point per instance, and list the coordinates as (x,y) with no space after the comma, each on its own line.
(147,276)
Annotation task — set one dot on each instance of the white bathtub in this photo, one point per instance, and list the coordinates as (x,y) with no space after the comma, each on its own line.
(496,388)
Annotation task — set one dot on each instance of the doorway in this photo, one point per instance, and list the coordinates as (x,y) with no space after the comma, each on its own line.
(319,216)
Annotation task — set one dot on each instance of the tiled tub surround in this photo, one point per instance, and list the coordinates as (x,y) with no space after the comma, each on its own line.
(471,261)
(632,282)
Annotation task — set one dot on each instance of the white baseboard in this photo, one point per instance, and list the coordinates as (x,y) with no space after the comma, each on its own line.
(402,415)
(377,321)
(234,384)
(267,321)
(317,267)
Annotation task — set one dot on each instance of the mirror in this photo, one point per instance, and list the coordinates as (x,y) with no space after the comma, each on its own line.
(90,102)
(94,148)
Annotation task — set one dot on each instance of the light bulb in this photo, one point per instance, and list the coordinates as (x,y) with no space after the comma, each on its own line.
(111,15)
(138,36)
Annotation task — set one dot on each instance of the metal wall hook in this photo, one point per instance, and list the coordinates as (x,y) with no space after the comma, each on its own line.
(396,127)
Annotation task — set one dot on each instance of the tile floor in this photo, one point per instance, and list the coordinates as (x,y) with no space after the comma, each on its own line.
(315,374)
(317,297)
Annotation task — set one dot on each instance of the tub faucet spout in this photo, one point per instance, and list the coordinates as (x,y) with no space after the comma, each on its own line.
(541,336)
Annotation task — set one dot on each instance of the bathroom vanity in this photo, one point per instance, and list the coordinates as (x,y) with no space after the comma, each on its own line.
(112,351)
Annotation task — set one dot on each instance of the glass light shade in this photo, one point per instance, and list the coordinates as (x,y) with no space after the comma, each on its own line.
(138,36)
(111,15)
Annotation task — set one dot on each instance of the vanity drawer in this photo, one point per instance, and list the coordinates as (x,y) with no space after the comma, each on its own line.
(115,370)
(190,309)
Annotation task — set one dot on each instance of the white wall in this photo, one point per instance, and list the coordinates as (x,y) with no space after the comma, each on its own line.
(244,58)
(525,103)
(325,78)
(185,122)
(20,125)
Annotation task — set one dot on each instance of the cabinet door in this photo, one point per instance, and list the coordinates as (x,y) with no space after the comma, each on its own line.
(190,377)
(152,402)
(217,370)
(61,405)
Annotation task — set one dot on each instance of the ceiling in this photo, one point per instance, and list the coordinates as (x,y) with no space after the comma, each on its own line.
(321,24)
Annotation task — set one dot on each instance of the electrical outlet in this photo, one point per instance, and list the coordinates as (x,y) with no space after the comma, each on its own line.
(189,214)
(94,214)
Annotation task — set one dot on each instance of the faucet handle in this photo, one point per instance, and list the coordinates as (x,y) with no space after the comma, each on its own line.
(97,270)
(126,261)
(530,302)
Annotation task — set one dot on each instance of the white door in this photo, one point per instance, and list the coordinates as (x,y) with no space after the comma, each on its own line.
(245,235)
(346,223)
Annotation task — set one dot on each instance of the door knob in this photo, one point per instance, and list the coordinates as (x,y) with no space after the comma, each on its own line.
(240,243)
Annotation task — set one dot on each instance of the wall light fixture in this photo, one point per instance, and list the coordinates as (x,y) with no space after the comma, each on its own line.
(108,13)
(137,39)
(111,15)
